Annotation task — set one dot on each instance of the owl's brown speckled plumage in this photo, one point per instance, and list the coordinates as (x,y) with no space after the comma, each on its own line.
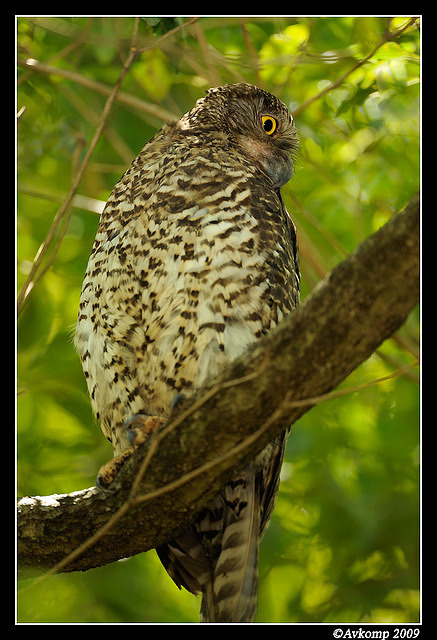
(194,259)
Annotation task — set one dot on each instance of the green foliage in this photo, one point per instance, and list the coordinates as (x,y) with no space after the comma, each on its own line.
(343,543)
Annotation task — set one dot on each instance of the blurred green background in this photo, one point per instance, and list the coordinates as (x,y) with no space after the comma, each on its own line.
(343,543)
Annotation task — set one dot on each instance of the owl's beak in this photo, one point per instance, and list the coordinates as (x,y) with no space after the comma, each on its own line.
(279,169)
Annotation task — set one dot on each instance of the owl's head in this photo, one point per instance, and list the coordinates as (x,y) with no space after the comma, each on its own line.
(253,121)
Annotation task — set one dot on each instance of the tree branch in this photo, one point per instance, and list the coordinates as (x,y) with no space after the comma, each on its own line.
(168,479)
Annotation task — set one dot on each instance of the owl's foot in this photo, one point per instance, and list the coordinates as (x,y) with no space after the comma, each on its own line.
(138,428)
(109,470)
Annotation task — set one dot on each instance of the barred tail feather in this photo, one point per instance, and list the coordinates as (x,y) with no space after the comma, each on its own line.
(231,594)
(218,554)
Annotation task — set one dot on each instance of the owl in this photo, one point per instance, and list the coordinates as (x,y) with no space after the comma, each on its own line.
(194,260)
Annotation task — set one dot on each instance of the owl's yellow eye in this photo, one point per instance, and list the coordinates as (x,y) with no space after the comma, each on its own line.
(269,124)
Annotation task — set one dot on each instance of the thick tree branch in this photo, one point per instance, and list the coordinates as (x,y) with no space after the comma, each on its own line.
(161,487)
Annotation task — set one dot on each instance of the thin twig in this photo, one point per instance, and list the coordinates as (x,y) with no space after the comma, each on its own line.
(387,37)
(125,98)
(172,32)
(30,280)
(81,38)
(330,395)
(64,223)
(253,55)
(214,77)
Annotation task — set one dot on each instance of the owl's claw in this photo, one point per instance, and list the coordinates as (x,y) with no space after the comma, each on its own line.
(138,428)
(177,400)
(109,470)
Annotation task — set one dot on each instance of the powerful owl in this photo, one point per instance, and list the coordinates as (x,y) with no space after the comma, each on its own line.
(195,258)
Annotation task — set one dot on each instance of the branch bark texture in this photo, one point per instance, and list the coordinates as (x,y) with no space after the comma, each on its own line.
(168,479)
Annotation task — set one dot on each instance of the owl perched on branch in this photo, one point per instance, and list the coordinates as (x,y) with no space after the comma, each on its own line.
(194,259)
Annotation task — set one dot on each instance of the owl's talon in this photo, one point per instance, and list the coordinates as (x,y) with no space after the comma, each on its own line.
(139,427)
(109,470)
(177,400)
(101,484)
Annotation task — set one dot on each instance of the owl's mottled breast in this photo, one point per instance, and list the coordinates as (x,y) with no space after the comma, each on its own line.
(194,259)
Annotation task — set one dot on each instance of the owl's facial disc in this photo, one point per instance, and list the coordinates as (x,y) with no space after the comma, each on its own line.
(253,122)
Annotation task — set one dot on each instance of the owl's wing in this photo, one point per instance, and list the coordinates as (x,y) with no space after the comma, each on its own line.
(269,478)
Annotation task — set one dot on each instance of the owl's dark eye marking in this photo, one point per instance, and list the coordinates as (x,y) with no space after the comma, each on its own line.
(269,124)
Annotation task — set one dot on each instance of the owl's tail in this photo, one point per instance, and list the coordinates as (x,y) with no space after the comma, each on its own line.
(231,593)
